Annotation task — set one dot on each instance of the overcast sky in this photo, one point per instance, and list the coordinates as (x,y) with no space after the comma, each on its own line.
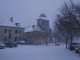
(27,11)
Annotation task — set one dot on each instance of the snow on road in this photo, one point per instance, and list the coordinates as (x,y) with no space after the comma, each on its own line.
(41,52)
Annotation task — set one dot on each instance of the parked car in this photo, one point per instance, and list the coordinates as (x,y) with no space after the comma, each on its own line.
(21,42)
(77,48)
(57,44)
(11,44)
(73,45)
(15,44)
(2,45)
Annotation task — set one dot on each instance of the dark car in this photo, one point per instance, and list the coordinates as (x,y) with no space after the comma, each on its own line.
(11,44)
(15,44)
(79,51)
(73,45)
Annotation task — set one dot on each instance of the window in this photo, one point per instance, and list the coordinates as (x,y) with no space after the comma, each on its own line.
(18,31)
(42,23)
(6,39)
(7,30)
(46,23)
(15,31)
(10,30)
(17,39)
(9,35)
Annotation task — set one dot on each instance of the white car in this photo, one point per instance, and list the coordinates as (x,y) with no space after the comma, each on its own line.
(2,45)
(22,42)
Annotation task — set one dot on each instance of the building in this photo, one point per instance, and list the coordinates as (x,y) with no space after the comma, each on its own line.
(40,33)
(43,23)
(35,36)
(11,32)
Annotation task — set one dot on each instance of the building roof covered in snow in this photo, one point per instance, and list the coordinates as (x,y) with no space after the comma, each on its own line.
(43,16)
(32,28)
(11,23)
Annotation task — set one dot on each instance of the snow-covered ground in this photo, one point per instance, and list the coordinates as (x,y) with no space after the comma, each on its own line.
(41,52)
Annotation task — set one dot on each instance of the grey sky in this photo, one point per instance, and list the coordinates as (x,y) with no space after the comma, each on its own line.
(27,11)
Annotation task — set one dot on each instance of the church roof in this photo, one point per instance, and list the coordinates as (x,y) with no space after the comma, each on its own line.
(35,28)
(43,16)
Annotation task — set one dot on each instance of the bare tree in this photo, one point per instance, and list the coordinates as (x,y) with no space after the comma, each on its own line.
(68,20)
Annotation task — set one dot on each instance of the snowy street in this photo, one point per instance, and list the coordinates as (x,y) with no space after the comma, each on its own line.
(41,52)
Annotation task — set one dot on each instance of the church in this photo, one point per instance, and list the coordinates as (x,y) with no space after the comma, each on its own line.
(40,33)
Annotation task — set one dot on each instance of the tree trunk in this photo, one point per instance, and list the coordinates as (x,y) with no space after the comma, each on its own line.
(37,40)
(50,43)
(71,40)
(66,41)
(55,41)
(37,37)
(46,42)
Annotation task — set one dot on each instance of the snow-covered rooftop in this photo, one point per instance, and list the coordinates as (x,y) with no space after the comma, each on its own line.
(10,23)
(32,28)
(43,16)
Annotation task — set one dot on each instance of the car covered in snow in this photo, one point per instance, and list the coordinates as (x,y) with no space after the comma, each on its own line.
(73,46)
(21,42)
(2,45)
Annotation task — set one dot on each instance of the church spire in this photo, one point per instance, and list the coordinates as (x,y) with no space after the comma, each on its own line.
(42,15)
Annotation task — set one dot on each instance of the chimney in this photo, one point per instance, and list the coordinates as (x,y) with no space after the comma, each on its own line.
(33,26)
(17,24)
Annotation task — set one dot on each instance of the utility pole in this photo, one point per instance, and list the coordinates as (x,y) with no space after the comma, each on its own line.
(37,35)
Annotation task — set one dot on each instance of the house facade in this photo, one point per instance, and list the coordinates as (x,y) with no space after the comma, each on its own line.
(9,33)
(35,38)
